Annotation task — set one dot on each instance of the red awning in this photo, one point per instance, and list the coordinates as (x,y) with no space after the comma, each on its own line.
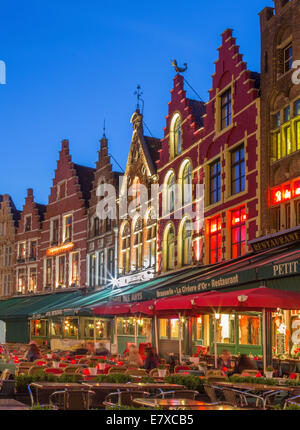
(178,303)
(112,309)
(146,308)
(255,299)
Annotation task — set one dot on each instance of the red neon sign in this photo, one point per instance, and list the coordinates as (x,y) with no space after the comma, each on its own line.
(285,192)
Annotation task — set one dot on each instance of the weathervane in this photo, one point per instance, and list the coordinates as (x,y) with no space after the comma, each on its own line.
(139,94)
(179,69)
(104,129)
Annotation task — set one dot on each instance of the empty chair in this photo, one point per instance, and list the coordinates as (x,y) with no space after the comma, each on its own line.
(72,400)
(213,392)
(71,369)
(241,399)
(117,369)
(124,398)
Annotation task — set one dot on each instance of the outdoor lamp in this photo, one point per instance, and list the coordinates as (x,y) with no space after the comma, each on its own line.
(242,299)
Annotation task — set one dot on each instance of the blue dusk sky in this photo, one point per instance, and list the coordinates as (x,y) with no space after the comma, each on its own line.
(73,63)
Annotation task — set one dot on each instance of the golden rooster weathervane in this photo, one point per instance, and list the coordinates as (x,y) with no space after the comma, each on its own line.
(177,68)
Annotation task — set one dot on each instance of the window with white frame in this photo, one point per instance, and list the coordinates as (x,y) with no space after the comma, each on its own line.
(150,252)
(138,244)
(55,231)
(32,284)
(22,251)
(68,228)
(33,250)
(27,223)
(111,263)
(21,281)
(74,269)
(101,268)
(7,256)
(48,272)
(61,271)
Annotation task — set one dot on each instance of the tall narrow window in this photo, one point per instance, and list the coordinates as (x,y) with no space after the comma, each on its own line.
(21,281)
(68,221)
(21,252)
(101,273)
(49,272)
(125,250)
(238,170)
(277,119)
(150,243)
(92,270)
(297,125)
(297,107)
(75,269)
(55,231)
(27,223)
(287,114)
(96,226)
(32,280)
(215,182)
(226,109)
(170,249)
(238,232)
(187,184)
(7,256)
(171,193)
(177,136)
(277,145)
(33,250)
(138,244)
(215,240)
(288,58)
(187,243)
(288,140)
(111,263)
(62,271)
(287,215)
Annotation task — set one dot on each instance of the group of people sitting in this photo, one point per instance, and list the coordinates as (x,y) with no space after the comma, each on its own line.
(226,364)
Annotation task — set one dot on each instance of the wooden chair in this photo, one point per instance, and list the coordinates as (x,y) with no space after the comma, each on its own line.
(137,372)
(35,370)
(215,375)
(154,373)
(23,368)
(240,398)
(124,398)
(117,369)
(72,400)
(83,361)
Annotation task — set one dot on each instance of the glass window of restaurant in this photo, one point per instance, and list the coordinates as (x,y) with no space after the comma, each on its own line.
(169,329)
(103,328)
(56,328)
(39,328)
(70,327)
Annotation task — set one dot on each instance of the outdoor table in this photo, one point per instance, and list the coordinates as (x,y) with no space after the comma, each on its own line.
(44,389)
(254,387)
(102,389)
(186,404)
(12,404)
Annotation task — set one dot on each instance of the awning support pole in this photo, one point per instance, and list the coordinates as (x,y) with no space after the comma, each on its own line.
(95,334)
(135,332)
(180,338)
(215,342)
(156,333)
(116,334)
(264,322)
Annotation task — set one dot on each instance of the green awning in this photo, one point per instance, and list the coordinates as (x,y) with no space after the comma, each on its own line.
(140,292)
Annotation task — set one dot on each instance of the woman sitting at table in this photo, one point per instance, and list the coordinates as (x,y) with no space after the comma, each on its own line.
(152,359)
(133,357)
(244,363)
(33,352)
(224,362)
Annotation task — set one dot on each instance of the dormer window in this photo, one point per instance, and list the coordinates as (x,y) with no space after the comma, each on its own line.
(226,109)
(175,136)
(288,58)
(27,224)
(68,222)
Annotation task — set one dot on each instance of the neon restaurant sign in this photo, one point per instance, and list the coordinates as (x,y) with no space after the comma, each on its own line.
(59,249)
(286,192)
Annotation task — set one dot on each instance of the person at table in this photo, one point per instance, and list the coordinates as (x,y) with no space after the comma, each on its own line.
(102,350)
(224,361)
(244,363)
(32,353)
(151,360)
(133,357)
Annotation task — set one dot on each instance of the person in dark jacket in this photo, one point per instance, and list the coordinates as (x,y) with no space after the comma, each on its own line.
(244,363)
(33,352)
(151,360)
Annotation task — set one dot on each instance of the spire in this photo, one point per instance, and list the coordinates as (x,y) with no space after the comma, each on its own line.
(138,93)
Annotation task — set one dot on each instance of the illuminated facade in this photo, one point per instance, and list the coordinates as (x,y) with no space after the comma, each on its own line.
(28,242)
(64,230)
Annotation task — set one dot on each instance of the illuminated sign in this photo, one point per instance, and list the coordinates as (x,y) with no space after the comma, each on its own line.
(59,249)
(284,193)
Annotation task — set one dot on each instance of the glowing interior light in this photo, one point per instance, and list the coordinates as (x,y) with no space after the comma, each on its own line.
(297,191)
(287,194)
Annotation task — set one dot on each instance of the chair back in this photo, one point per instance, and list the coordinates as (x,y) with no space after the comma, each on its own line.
(231,397)
(126,398)
(5,375)
(136,372)
(83,361)
(34,370)
(154,372)
(78,400)
(211,393)
(71,369)
(185,394)
(117,369)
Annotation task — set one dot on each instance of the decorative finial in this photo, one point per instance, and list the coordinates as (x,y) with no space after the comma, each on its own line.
(104,135)
(139,94)
(177,68)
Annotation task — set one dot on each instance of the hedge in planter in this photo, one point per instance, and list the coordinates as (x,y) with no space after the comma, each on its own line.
(190,382)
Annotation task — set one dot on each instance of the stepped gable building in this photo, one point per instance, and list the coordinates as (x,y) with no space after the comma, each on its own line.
(28,238)
(9,218)
(64,230)
(229,150)
(179,236)
(137,211)
(103,223)
(280,117)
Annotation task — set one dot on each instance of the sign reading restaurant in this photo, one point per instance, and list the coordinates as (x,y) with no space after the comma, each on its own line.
(275,240)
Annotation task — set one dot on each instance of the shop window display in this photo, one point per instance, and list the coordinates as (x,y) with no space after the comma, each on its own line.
(39,328)
(225,328)
(249,330)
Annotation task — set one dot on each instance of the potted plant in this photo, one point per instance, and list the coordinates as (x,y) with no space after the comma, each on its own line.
(93,369)
(269,372)
(55,362)
(162,371)
(102,364)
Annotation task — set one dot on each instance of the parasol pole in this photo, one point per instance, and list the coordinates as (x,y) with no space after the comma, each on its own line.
(180,336)
(156,333)
(215,341)
(264,340)
(95,335)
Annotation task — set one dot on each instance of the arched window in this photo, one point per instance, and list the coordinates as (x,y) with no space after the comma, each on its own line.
(187,184)
(170,193)
(125,249)
(169,249)
(138,244)
(186,243)
(150,252)
(177,136)
(136,191)
(96,226)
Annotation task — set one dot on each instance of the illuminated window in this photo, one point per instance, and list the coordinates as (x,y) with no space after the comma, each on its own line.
(33,249)
(297,107)
(249,330)
(288,58)
(215,240)
(238,170)
(171,193)
(169,329)
(187,184)
(187,243)
(226,109)
(68,221)
(21,281)
(125,250)
(150,251)
(215,182)
(111,263)
(169,250)
(138,244)
(288,141)
(49,272)
(56,328)
(39,328)
(297,125)
(277,119)
(238,232)
(22,251)
(287,114)
(225,328)
(62,271)
(101,270)
(177,136)
(75,268)
(102,329)
(70,327)
(32,279)
(92,270)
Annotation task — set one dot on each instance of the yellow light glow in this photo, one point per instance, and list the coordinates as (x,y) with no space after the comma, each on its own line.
(59,249)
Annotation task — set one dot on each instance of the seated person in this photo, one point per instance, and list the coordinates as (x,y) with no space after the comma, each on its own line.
(224,361)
